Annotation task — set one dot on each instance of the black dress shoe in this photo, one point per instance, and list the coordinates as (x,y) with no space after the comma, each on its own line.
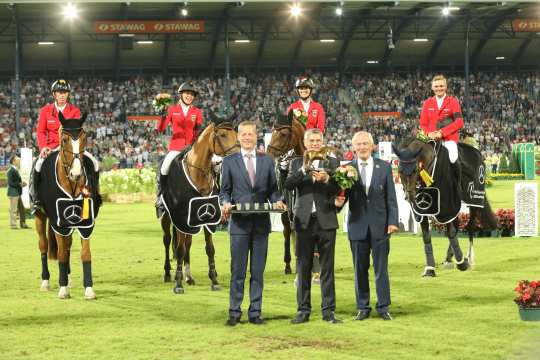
(257,320)
(362,315)
(332,319)
(232,321)
(385,316)
(300,318)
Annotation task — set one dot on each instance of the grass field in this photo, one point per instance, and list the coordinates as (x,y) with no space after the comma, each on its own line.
(457,315)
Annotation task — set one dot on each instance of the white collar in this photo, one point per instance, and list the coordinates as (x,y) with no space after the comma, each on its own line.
(308,102)
(60,109)
(244,153)
(369,161)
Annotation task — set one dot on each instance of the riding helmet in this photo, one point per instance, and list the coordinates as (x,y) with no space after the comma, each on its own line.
(60,85)
(188,86)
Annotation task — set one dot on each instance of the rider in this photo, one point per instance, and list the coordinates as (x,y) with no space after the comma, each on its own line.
(47,130)
(186,122)
(314,111)
(441,119)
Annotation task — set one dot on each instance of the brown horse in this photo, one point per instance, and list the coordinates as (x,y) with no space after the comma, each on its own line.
(69,177)
(218,138)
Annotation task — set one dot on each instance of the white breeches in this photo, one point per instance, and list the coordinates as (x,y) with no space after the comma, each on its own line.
(167,162)
(452,150)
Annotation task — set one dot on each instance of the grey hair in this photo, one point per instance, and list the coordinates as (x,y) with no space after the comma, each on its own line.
(363,133)
(310,132)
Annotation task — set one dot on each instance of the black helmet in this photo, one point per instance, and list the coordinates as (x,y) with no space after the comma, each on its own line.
(60,85)
(188,86)
(304,82)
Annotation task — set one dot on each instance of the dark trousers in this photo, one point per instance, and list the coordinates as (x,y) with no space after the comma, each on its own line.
(361,250)
(306,239)
(256,247)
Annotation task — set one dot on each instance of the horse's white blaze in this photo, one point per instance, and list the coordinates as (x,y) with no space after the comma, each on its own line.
(45,286)
(76,166)
(63,293)
(89,293)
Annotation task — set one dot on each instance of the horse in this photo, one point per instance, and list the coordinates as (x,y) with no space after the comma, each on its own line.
(423,161)
(69,192)
(195,167)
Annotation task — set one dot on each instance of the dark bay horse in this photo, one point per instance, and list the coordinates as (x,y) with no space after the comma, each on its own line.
(218,138)
(443,198)
(69,192)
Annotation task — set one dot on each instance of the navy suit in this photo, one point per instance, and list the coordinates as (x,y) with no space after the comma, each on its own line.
(368,220)
(248,233)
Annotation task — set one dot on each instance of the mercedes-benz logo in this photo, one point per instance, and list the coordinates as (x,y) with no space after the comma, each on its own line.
(72,214)
(423,200)
(481,174)
(206,212)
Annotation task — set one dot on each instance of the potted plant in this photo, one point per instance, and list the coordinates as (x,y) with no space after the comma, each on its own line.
(528,300)
(505,221)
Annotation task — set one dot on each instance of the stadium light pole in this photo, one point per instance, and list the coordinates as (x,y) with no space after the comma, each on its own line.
(17,89)
(227,90)
(467,67)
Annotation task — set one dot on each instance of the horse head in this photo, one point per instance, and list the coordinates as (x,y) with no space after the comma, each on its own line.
(413,156)
(224,136)
(72,144)
(287,134)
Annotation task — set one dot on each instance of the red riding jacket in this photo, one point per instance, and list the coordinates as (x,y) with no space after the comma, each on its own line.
(316,117)
(185,129)
(448,118)
(48,124)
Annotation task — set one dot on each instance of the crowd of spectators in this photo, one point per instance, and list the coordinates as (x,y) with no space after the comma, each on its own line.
(504,108)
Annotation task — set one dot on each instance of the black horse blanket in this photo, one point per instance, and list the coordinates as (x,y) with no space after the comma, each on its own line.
(188,209)
(63,210)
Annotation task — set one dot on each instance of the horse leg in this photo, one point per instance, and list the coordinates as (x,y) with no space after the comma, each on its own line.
(86,258)
(429,269)
(448,263)
(210,253)
(63,261)
(166,227)
(179,250)
(287,242)
(41,228)
(461,261)
(470,253)
(187,260)
(68,247)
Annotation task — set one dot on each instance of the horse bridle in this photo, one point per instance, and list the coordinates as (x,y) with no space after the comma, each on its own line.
(67,166)
(289,139)
(220,143)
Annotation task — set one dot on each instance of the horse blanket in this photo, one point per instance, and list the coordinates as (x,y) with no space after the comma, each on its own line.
(63,210)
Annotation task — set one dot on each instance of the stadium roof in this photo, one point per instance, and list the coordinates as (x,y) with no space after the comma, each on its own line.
(359,38)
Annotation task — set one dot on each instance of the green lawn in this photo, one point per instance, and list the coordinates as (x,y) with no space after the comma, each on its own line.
(454,316)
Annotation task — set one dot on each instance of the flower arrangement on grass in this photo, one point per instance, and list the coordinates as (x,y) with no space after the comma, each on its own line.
(345,176)
(528,294)
(505,221)
(161,103)
(128,181)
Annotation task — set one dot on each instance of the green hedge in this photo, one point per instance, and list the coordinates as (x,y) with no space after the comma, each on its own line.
(506,176)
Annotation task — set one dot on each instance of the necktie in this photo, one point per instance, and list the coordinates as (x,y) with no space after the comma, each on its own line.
(250,168)
(363,175)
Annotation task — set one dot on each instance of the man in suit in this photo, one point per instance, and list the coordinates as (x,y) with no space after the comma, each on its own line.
(372,218)
(315,222)
(14,192)
(248,177)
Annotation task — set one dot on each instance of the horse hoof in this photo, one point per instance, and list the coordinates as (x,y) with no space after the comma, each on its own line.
(288,269)
(89,294)
(448,265)
(45,286)
(63,293)
(167,278)
(464,266)
(215,287)
(190,281)
(178,290)
(429,273)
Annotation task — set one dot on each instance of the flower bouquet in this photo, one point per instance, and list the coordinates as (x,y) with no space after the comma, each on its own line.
(345,176)
(528,299)
(422,136)
(161,103)
(300,115)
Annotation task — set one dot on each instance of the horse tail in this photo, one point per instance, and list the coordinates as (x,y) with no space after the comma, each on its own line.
(174,242)
(53,245)
(486,217)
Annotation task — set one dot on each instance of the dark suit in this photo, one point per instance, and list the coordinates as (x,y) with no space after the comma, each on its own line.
(368,220)
(248,233)
(318,228)
(14,192)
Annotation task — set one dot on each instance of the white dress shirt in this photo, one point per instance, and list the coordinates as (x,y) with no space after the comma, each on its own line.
(369,171)
(305,104)
(254,154)
(58,108)
(439,101)
(185,108)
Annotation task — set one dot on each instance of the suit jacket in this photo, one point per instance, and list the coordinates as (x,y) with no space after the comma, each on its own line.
(14,182)
(236,188)
(308,191)
(375,210)
(448,118)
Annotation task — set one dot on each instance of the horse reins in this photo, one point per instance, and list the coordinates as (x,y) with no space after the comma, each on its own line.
(67,166)
(220,143)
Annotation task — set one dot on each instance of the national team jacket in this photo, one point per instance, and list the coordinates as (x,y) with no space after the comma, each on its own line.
(315,116)
(448,118)
(48,124)
(185,129)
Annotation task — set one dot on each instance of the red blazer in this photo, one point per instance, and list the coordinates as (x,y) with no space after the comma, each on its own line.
(449,113)
(185,129)
(48,124)
(316,116)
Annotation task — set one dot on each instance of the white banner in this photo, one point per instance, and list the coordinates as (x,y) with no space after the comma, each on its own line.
(526,205)
(26,171)
(385,150)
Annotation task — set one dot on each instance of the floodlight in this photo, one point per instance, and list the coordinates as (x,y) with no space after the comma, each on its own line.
(70,11)
(296,10)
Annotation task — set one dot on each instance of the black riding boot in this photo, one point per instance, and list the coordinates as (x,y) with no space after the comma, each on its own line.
(34,190)
(160,207)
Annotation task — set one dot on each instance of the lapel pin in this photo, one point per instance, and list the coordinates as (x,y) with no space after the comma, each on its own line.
(377,166)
